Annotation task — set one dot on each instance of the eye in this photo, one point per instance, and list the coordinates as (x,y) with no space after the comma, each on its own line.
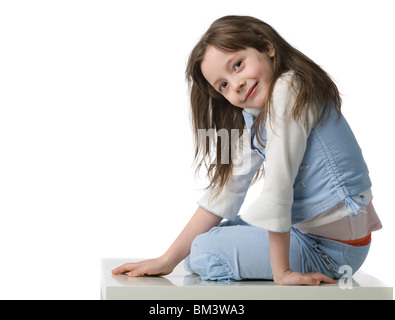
(237,65)
(222,86)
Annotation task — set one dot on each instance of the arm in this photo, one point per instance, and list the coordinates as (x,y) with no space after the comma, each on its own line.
(285,147)
(279,260)
(202,221)
(226,205)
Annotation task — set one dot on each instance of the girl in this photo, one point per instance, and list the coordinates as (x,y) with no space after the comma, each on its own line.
(314,214)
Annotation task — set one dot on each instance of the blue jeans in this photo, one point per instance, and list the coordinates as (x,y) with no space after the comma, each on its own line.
(237,251)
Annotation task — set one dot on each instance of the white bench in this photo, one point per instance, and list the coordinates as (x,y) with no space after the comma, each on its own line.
(181,285)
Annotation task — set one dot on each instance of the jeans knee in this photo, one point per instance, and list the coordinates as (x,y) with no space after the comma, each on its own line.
(207,262)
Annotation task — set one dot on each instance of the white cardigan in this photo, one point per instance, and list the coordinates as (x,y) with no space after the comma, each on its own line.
(285,145)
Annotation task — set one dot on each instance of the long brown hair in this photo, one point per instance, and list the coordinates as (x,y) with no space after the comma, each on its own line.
(210,110)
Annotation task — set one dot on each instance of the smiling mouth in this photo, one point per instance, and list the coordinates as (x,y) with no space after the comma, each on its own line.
(251,92)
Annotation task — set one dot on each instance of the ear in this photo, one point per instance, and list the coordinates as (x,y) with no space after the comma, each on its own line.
(271,51)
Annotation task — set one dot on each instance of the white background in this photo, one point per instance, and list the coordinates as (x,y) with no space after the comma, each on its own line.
(95,139)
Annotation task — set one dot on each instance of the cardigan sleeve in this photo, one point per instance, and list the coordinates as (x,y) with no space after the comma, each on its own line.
(285,148)
(228,203)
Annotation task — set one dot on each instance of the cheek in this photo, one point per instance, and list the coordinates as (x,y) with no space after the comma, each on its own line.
(229,98)
(234,101)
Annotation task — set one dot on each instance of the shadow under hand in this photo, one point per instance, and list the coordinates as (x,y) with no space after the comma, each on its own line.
(142,281)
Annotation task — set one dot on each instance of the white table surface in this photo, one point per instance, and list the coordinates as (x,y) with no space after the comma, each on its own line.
(181,285)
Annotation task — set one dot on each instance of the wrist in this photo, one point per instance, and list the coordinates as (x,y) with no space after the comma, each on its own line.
(278,275)
(169,260)
(279,255)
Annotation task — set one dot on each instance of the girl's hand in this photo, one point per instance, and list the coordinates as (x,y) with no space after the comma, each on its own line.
(158,267)
(202,221)
(296,278)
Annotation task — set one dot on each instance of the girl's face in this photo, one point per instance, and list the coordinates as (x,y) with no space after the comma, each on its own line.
(242,77)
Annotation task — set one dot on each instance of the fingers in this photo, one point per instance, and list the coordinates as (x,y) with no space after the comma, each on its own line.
(310,279)
(136,272)
(302,279)
(131,269)
(121,269)
(315,279)
(125,268)
(323,278)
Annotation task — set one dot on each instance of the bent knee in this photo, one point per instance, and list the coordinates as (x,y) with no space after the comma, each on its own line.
(207,261)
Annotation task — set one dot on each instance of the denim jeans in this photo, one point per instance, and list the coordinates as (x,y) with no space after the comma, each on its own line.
(236,251)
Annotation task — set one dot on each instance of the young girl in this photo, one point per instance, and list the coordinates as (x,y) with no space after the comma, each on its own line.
(314,214)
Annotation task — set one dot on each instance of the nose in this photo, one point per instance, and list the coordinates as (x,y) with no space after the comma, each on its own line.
(237,84)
